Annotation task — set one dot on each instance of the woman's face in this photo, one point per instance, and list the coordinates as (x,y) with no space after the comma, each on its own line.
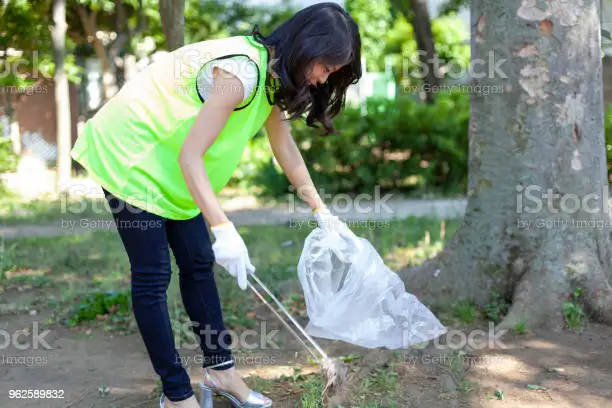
(320,72)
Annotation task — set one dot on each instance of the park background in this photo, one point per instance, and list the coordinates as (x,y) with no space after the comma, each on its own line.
(62,266)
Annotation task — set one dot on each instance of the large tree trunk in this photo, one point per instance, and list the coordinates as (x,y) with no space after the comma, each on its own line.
(62,97)
(172,13)
(415,11)
(539,132)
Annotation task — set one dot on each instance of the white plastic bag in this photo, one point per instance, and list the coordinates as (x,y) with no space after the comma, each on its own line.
(351,295)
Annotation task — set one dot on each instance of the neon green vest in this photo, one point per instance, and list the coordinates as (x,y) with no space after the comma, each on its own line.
(131,146)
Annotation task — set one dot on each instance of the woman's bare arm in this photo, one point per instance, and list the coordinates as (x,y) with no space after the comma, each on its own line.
(290,159)
(226,93)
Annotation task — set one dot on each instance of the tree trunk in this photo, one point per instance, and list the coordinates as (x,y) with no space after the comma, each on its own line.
(13,129)
(172,13)
(62,97)
(537,225)
(109,81)
(415,11)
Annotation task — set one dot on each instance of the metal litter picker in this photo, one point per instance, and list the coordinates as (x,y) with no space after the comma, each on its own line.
(333,369)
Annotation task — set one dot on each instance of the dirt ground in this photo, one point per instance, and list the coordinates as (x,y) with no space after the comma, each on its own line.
(97,369)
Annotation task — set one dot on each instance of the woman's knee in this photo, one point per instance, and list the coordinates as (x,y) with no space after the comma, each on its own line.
(198,268)
(150,282)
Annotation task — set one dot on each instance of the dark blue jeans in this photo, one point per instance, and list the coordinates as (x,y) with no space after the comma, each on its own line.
(147,238)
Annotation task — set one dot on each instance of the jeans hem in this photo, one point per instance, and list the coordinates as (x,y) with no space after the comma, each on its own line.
(181,398)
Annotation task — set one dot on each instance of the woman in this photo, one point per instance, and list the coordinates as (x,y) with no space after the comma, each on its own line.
(169,141)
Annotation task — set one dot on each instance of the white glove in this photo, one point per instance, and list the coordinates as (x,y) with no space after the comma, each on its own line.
(326,220)
(330,223)
(231,252)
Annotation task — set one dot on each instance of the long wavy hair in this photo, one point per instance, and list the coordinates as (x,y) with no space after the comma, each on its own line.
(322,33)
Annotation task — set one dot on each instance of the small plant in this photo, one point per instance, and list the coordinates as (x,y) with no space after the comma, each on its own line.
(99,304)
(499,394)
(521,328)
(465,386)
(496,309)
(351,357)
(466,311)
(573,312)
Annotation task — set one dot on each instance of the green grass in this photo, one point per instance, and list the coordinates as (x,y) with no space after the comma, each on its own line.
(84,279)
(95,262)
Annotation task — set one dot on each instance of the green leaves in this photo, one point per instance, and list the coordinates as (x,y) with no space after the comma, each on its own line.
(99,304)
(374,20)
(397,139)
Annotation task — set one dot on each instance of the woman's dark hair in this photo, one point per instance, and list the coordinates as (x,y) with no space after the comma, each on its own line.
(323,33)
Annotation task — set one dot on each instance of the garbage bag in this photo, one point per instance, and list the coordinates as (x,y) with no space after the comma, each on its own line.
(352,296)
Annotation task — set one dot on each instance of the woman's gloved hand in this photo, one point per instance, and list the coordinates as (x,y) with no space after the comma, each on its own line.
(231,252)
(325,219)
(331,223)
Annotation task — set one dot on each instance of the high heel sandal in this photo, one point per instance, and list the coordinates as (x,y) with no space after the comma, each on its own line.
(161,401)
(254,400)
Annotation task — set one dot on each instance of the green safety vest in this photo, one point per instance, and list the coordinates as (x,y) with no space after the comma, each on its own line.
(131,146)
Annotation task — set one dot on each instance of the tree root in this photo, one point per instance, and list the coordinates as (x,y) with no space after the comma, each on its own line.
(597,290)
(599,298)
(540,294)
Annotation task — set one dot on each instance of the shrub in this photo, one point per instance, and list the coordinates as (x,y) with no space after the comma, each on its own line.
(399,145)
(8,159)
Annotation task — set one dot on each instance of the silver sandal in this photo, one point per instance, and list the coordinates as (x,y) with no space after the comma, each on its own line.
(254,400)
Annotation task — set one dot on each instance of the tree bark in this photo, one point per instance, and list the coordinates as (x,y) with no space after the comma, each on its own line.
(415,11)
(172,14)
(13,129)
(537,224)
(62,96)
(117,49)
(109,81)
